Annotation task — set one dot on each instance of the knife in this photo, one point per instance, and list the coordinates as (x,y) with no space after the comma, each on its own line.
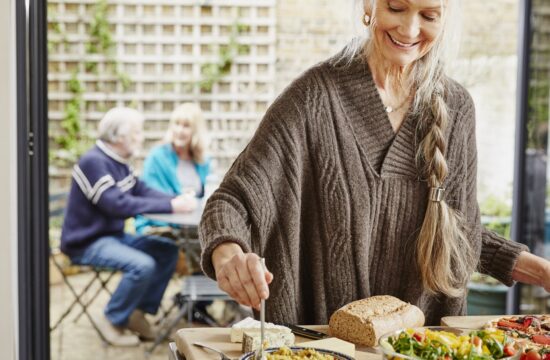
(260,355)
(305,332)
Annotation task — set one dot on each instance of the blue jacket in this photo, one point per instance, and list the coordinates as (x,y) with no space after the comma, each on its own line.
(104,193)
(160,172)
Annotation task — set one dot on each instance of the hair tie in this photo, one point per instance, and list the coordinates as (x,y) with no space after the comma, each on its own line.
(436,194)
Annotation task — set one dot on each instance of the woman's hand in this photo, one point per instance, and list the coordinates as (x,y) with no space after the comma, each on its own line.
(532,269)
(241,275)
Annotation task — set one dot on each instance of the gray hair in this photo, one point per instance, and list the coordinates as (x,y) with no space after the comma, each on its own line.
(117,122)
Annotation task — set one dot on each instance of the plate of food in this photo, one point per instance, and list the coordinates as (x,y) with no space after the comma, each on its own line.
(298,353)
(449,343)
(532,332)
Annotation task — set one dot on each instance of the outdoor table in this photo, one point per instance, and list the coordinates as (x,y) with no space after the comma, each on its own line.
(187,224)
(219,338)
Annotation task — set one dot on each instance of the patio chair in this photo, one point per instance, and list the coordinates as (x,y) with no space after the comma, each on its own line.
(85,297)
(194,288)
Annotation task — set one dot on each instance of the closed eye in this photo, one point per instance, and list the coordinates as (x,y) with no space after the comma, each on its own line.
(395,10)
(430,16)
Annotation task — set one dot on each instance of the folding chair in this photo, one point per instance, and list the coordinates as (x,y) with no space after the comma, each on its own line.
(57,202)
(194,288)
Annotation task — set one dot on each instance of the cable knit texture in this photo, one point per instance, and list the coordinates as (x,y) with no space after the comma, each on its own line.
(332,198)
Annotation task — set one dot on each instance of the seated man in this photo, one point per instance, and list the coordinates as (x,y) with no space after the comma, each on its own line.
(104,193)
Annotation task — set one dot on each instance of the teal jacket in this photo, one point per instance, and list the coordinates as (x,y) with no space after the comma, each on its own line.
(160,173)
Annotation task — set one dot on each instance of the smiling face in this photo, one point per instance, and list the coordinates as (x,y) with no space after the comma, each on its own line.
(182,132)
(405,30)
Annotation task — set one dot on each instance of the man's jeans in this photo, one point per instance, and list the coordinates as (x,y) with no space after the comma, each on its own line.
(147,262)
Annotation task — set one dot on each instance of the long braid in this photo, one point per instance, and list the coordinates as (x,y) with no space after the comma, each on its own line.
(443,251)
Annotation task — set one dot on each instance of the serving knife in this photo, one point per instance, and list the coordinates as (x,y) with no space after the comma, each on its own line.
(260,355)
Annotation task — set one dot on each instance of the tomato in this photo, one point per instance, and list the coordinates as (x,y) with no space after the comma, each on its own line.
(419,337)
(509,350)
(510,325)
(546,356)
(541,339)
(476,340)
(531,355)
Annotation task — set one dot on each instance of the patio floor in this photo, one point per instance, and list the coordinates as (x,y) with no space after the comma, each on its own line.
(79,341)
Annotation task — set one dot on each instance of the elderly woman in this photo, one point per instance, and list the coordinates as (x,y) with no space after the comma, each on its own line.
(104,193)
(178,166)
(360,181)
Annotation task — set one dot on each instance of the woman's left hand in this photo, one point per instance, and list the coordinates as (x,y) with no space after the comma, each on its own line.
(532,269)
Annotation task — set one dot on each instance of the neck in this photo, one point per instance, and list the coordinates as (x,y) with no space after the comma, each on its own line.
(387,76)
(118,149)
(184,152)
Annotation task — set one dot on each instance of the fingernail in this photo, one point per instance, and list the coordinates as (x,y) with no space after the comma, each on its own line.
(264,294)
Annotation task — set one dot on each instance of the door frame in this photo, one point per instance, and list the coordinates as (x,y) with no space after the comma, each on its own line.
(32,179)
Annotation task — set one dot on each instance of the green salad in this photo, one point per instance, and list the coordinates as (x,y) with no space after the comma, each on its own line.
(443,345)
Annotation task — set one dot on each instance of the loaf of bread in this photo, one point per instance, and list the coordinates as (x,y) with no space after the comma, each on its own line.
(364,321)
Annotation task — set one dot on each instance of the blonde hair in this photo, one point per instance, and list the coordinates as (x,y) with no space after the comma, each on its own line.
(116,123)
(192,113)
(443,252)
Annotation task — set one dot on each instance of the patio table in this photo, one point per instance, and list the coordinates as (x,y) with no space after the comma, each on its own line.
(187,225)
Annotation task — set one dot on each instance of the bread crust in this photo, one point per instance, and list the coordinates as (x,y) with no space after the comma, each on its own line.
(364,321)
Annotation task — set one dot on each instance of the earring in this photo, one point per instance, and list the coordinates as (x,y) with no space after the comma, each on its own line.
(366,20)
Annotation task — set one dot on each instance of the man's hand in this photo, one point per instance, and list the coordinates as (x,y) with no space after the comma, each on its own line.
(184,203)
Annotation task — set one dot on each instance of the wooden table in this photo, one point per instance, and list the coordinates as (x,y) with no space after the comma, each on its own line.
(219,338)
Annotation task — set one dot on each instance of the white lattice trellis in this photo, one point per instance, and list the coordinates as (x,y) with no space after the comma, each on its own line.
(162,45)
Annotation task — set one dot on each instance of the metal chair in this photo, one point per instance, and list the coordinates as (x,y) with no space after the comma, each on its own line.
(102,276)
(194,288)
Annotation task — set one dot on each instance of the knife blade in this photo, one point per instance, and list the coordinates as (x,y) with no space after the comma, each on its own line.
(305,332)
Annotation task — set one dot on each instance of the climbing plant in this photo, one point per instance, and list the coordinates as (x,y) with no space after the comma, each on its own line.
(213,72)
(75,138)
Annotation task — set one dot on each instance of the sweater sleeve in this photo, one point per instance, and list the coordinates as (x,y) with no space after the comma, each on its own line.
(263,185)
(498,255)
(100,188)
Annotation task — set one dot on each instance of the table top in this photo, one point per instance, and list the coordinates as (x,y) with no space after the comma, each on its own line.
(191,219)
(219,338)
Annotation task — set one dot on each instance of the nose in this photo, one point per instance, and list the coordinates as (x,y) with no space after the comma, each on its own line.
(410,27)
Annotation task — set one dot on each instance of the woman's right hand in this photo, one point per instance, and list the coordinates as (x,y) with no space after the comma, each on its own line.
(241,275)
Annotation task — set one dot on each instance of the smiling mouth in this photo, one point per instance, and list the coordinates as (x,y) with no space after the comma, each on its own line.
(402,45)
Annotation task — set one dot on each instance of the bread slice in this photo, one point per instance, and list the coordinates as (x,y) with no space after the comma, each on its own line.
(364,321)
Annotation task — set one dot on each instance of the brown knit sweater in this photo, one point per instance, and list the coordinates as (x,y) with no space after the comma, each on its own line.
(331,197)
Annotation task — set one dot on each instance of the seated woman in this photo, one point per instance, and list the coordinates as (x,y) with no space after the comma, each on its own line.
(104,193)
(178,166)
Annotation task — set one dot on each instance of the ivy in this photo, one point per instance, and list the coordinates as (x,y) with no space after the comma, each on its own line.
(214,72)
(75,138)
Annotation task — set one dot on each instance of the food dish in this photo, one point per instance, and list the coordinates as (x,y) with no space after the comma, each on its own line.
(325,354)
(448,343)
(532,332)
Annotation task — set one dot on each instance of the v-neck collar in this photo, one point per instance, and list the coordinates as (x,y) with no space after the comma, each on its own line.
(388,153)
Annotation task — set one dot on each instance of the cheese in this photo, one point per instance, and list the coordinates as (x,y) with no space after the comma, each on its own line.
(272,338)
(249,324)
(333,344)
